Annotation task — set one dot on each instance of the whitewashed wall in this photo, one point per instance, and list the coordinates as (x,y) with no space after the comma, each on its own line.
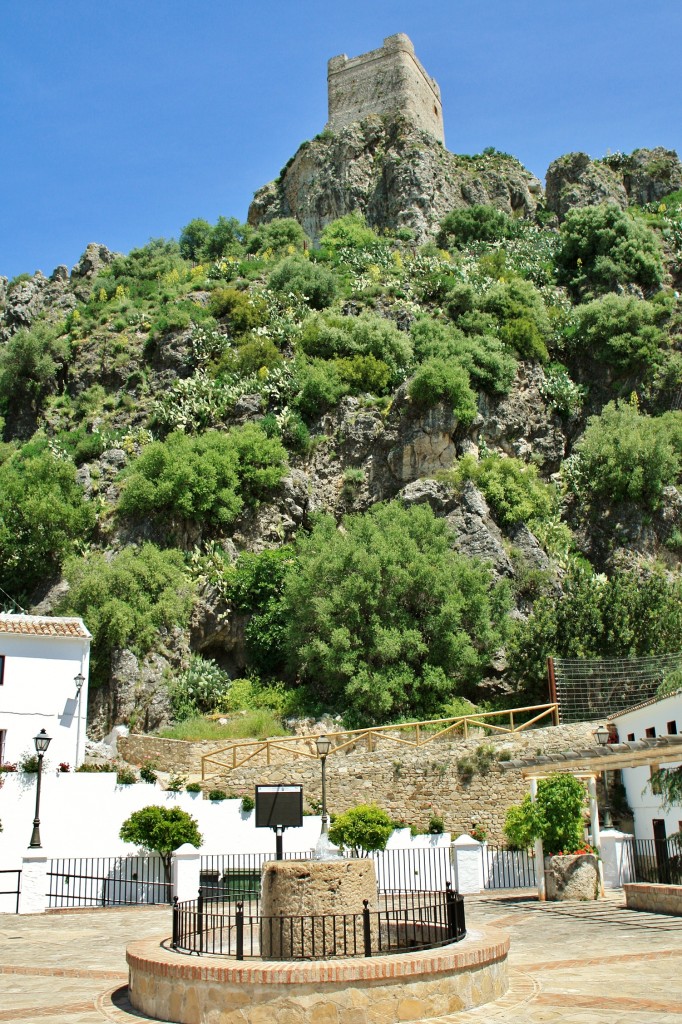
(39,692)
(645,805)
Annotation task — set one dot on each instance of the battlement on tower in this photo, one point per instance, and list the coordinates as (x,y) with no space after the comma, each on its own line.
(389,80)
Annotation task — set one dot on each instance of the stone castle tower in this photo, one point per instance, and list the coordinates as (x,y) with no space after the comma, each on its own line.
(386,81)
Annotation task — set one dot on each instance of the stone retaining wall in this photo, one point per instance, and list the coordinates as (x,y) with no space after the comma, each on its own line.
(403,987)
(657,899)
(410,783)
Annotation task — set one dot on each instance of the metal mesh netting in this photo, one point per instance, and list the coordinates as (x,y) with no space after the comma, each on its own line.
(597,688)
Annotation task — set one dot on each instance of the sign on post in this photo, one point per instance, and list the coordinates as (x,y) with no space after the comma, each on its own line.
(279,807)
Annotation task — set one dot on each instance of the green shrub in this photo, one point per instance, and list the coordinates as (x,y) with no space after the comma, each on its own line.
(436,825)
(217,794)
(361,830)
(43,517)
(619,330)
(206,478)
(602,247)
(254,725)
(299,276)
(626,455)
(240,311)
(193,787)
(250,357)
(524,324)
(32,367)
(321,386)
(125,777)
(148,772)
(126,600)
(439,381)
(176,783)
(350,233)
(556,816)
(248,804)
(364,374)
(560,392)
(330,336)
(198,689)
(511,488)
(376,658)
(227,238)
(490,365)
(474,224)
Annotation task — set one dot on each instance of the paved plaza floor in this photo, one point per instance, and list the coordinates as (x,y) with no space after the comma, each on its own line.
(577,963)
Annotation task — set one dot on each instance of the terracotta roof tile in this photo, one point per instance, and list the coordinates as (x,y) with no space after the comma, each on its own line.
(42,625)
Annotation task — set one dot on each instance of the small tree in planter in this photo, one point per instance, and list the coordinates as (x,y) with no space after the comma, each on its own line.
(556,817)
(161,830)
(361,829)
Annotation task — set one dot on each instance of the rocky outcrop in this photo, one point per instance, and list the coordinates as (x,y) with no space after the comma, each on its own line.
(645,176)
(394,174)
(28,298)
(521,424)
(575,180)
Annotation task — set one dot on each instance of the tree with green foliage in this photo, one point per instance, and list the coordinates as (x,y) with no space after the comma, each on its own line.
(282,236)
(43,517)
(603,247)
(193,238)
(384,619)
(33,365)
(625,455)
(438,380)
(475,224)
(629,614)
(361,830)
(161,830)
(207,478)
(556,816)
(129,601)
(350,235)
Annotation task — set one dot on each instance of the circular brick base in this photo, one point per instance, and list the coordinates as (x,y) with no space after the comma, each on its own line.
(170,986)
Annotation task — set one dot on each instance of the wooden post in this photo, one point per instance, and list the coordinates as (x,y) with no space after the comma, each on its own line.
(551,677)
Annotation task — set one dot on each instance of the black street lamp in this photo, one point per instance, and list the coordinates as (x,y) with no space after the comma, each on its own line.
(602,735)
(42,742)
(324,745)
(78,680)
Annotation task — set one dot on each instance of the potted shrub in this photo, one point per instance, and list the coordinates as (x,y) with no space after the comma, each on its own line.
(556,817)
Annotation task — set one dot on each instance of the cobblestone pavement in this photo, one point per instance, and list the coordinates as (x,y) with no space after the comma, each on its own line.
(578,963)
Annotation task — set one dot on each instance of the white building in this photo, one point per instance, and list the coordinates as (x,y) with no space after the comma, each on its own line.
(661,716)
(40,658)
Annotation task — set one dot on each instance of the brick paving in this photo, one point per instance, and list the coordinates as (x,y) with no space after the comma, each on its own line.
(569,964)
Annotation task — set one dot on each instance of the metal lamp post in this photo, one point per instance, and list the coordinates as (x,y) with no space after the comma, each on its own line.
(78,680)
(602,737)
(42,742)
(324,745)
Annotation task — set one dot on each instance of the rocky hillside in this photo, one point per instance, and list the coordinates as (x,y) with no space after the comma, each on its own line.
(382,450)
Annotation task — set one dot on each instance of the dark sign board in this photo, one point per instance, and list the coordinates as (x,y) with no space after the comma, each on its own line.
(279,805)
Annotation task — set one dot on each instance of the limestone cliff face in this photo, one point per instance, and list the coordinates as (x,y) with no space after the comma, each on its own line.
(644,176)
(396,175)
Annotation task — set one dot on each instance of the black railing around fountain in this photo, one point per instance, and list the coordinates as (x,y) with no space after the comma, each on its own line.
(401,922)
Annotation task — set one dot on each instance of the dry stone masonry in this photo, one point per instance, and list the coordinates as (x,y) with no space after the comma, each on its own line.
(387,81)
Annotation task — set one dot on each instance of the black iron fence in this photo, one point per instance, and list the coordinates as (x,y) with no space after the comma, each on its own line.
(402,921)
(654,860)
(10,877)
(236,877)
(504,868)
(107,882)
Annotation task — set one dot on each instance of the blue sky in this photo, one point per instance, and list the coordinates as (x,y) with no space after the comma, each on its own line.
(121,122)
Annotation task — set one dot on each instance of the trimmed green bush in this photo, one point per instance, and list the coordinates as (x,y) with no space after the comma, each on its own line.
(618,329)
(475,224)
(439,381)
(311,281)
(206,478)
(362,829)
(603,247)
